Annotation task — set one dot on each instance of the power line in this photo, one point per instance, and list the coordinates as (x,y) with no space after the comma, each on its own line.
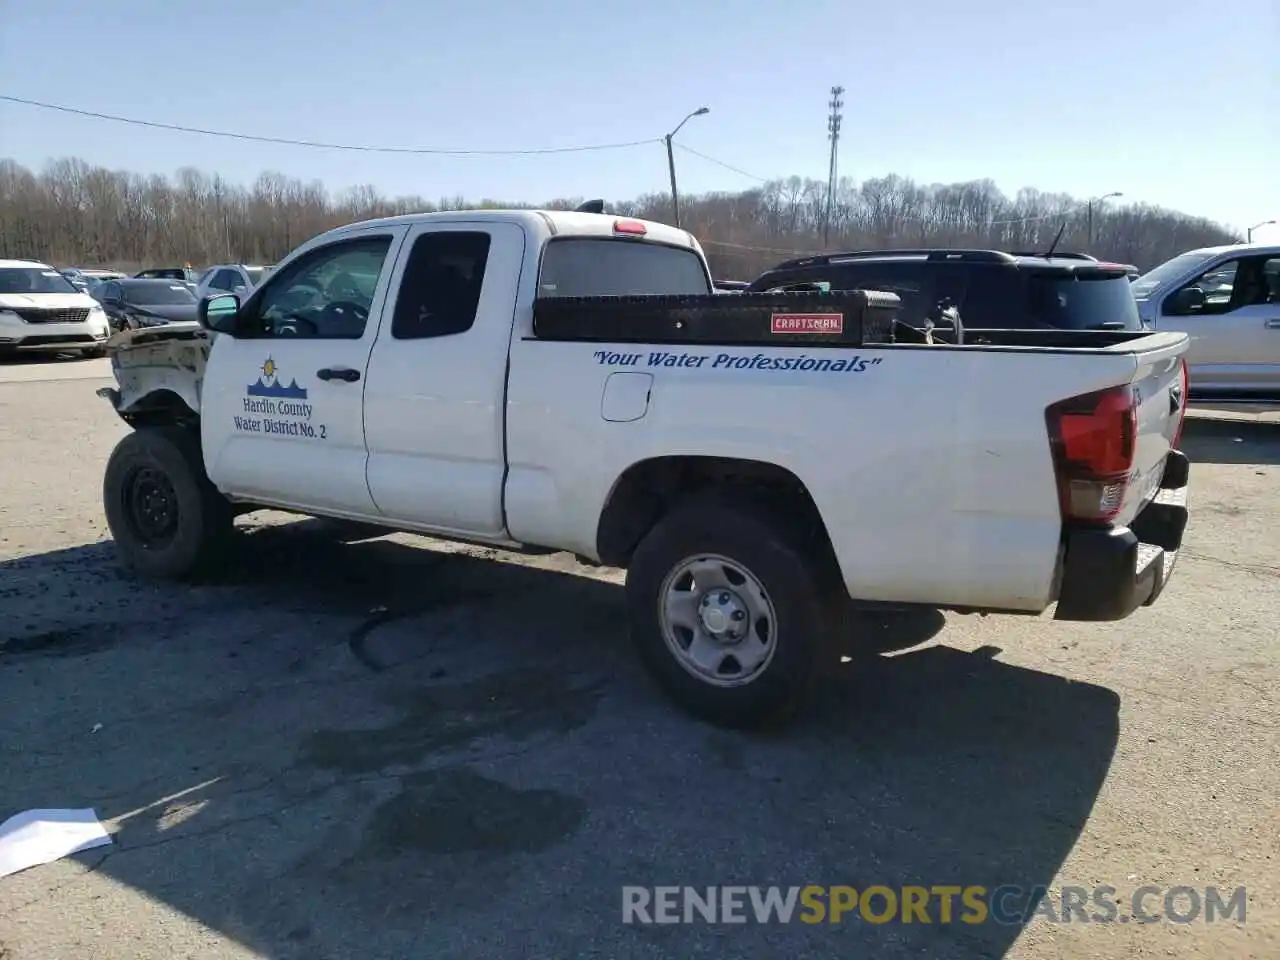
(834,127)
(133,121)
(720,163)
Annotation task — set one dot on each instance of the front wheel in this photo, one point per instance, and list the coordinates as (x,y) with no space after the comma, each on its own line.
(729,612)
(168,520)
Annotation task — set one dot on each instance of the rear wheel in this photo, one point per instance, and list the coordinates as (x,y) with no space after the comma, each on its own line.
(168,520)
(729,610)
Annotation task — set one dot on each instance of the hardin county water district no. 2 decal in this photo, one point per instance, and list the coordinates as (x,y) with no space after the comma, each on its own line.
(269,385)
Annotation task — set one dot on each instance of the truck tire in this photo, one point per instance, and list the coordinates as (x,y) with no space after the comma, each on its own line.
(744,648)
(168,520)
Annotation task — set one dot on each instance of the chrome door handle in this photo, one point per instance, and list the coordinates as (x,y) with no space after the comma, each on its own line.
(1273,324)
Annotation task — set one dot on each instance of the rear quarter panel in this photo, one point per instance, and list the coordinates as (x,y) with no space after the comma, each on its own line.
(930,466)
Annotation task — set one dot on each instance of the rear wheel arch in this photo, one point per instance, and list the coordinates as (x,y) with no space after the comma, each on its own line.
(650,489)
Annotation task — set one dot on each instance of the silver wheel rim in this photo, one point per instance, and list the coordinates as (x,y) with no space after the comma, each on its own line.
(717,620)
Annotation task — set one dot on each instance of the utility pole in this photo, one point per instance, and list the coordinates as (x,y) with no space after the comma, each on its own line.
(671,160)
(834,119)
(675,195)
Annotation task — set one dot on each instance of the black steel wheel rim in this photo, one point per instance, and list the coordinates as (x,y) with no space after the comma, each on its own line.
(150,507)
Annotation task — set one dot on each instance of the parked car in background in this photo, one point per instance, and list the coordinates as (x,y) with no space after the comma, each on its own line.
(132,303)
(42,311)
(87,280)
(77,279)
(185,274)
(991,289)
(1228,300)
(230,278)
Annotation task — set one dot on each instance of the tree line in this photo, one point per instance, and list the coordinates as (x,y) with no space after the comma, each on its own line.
(72,213)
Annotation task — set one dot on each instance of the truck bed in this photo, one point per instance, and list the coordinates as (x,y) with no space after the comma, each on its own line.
(849,318)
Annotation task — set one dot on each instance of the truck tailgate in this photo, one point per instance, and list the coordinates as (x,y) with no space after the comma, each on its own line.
(1159,386)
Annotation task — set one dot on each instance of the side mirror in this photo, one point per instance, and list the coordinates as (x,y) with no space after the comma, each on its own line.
(218,313)
(1185,301)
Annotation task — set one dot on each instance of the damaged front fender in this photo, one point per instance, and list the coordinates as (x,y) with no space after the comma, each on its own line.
(159,371)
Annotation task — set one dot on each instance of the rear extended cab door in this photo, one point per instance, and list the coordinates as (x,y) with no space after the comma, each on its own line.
(434,401)
(282,414)
(579,415)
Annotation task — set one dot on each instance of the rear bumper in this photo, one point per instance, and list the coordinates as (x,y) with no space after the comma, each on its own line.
(1109,572)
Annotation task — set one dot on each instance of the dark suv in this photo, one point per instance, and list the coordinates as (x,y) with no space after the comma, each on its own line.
(991,289)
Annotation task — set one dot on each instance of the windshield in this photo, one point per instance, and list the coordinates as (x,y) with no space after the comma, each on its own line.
(1180,265)
(255,274)
(34,280)
(1083,302)
(157,294)
(619,268)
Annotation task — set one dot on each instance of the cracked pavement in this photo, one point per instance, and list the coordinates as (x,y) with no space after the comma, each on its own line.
(394,747)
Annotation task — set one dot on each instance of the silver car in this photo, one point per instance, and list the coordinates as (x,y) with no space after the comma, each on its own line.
(1228,300)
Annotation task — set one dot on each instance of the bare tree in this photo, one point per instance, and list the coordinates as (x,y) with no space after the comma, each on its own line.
(73,213)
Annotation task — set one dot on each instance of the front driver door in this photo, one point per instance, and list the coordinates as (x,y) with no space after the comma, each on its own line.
(283,403)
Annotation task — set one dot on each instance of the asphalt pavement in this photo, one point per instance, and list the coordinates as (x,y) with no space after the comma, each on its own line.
(394,747)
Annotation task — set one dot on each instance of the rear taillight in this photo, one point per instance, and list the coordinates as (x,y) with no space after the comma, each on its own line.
(1182,407)
(1093,438)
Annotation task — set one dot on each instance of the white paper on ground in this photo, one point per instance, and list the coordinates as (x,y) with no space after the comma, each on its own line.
(33,837)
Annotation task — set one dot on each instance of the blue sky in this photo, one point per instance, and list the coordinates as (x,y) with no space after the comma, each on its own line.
(1174,102)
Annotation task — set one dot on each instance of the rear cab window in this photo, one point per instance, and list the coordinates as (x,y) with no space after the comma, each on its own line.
(611,267)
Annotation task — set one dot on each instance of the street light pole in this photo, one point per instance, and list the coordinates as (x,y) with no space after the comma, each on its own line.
(1099,200)
(671,160)
(1264,223)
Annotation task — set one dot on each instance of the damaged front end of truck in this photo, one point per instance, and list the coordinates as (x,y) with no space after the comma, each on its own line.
(159,373)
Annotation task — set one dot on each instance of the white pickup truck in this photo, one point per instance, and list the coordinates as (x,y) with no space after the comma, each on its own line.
(426,373)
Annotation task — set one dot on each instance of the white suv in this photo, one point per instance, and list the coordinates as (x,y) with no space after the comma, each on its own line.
(41,311)
(230,278)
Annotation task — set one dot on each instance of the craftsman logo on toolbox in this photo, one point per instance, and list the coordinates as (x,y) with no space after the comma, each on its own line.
(807,323)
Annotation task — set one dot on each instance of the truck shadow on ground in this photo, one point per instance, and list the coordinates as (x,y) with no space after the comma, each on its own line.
(489,765)
(1242,441)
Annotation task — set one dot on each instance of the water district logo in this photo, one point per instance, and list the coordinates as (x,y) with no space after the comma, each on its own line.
(269,385)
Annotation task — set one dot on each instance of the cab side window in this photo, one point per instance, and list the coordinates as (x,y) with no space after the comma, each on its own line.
(326,294)
(1227,287)
(1271,278)
(993,300)
(1210,294)
(440,289)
